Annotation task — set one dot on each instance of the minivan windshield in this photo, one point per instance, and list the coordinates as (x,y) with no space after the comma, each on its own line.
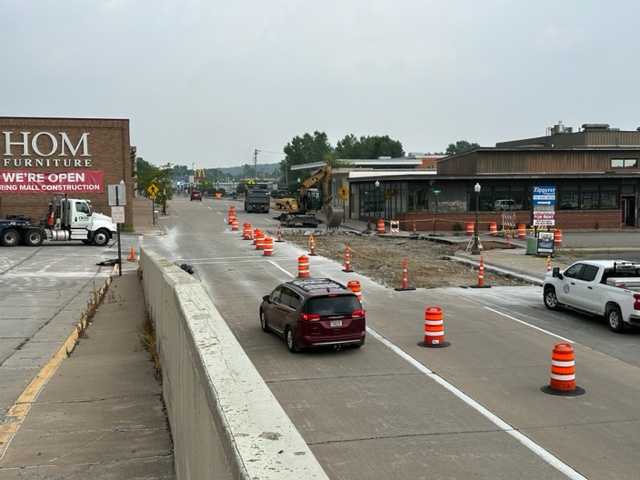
(333,305)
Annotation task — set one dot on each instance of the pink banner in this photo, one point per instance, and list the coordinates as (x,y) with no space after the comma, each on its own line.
(83,181)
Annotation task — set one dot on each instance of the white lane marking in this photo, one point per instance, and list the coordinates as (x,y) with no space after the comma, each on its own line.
(280,268)
(529,325)
(501,424)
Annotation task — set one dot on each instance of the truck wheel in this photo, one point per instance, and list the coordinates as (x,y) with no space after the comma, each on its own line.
(33,237)
(614,318)
(9,237)
(550,298)
(101,238)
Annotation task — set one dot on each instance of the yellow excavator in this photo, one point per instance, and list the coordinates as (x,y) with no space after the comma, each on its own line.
(311,200)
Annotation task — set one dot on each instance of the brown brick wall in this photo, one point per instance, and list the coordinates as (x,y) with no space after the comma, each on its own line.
(109,149)
(565,220)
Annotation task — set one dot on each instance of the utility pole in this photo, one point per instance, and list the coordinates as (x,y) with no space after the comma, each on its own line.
(255,164)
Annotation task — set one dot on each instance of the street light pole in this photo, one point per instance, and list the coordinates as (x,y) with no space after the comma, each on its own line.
(435,192)
(377,184)
(476,239)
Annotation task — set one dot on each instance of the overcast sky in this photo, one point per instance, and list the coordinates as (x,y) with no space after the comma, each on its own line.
(206,82)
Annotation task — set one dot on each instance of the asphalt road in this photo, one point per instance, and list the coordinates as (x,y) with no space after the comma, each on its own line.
(394,409)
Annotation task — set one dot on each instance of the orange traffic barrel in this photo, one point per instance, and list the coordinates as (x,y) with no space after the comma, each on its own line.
(522,231)
(260,240)
(268,246)
(256,232)
(234,224)
(303,266)
(380,225)
(433,328)
(246,231)
(493,229)
(354,286)
(557,238)
(563,372)
(470,229)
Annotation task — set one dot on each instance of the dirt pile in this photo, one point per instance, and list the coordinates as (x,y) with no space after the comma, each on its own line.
(429,264)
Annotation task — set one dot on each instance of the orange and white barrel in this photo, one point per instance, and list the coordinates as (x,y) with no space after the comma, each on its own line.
(470,229)
(234,224)
(303,266)
(557,238)
(268,247)
(522,231)
(433,328)
(380,225)
(260,241)
(354,286)
(246,231)
(493,229)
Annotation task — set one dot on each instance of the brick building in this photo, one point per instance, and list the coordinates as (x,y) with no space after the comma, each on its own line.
(77,157)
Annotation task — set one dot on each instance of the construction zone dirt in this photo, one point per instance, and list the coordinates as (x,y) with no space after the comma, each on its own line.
(429,264)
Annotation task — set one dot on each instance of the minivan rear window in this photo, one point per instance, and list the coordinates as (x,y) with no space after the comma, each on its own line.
(334,305)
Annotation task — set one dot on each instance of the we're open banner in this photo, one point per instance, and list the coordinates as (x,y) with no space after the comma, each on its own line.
(83,181)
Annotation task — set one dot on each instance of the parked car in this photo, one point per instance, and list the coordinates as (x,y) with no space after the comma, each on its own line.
(506,204)
(314,312)
(196,195)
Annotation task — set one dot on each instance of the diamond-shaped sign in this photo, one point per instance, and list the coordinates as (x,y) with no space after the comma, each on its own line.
(152,189)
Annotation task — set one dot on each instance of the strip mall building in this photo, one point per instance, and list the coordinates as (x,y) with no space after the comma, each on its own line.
(76,157)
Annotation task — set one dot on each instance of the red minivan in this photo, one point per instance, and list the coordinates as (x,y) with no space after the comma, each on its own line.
(314,312)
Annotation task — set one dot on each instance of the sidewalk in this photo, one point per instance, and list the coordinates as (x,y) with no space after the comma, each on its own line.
(97,413)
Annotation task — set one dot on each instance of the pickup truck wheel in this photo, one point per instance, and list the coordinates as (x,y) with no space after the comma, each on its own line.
(33,237)
(101,238)
(9,237)
(614,319)
(550,298)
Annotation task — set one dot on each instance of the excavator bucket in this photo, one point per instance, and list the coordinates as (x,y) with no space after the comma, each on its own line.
(334,216)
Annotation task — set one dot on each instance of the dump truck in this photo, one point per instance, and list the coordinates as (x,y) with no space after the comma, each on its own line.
(257,199)
(311,200)
(67,219)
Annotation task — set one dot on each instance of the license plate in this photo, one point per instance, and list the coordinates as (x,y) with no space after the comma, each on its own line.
(335,323)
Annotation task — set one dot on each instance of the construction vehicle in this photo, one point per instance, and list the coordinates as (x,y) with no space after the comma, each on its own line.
(68,219)
(257,198)
(311,200)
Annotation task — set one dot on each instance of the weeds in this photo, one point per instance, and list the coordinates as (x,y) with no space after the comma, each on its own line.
(147,331)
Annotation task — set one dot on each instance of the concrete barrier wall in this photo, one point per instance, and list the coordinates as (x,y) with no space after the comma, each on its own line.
(225,421)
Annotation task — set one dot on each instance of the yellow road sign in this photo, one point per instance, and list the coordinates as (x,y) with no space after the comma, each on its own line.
(152,189)
(343,191)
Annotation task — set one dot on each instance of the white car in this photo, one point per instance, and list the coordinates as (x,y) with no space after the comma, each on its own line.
(509,204)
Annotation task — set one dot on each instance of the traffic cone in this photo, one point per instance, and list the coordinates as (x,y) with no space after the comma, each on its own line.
(312,246)
(480,283)
(132,255)
(347,262)
(279,236)
(563,372)
(50,220)
(415,232)
(433,329)
(405,283)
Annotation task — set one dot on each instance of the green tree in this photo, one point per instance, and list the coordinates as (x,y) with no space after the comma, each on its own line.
(376,146)
(146,174)
(306,149)
(461,146)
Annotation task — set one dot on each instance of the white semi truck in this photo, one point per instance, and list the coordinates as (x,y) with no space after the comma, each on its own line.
(68,219)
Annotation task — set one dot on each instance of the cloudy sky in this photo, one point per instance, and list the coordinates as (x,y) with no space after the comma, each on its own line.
(206,82)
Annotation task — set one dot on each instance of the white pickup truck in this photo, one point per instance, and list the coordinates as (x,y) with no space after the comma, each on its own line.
(599,287)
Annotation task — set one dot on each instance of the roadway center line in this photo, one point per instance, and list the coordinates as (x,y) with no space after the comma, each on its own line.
(493,418)
(529,325)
